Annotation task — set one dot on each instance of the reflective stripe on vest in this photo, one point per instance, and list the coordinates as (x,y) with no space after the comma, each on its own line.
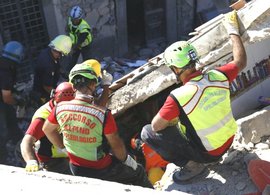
(82,127)
(203,133)
(206,101)
(81,28)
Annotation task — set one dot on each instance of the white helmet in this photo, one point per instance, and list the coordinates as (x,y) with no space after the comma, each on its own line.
(61,43)
(76,12)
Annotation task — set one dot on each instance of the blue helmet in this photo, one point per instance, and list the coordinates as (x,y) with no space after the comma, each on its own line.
(14,51)
(76,12)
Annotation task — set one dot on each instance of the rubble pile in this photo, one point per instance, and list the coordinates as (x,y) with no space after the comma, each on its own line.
(230,175)
(135,81)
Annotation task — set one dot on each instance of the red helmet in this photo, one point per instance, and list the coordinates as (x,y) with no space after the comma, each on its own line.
(63,92)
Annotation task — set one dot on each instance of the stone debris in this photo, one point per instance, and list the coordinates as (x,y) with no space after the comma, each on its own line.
(240,186)
(230,175)
(137,80)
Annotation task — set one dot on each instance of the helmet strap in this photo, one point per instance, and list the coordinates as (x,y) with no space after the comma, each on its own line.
(178,74)
(181,72)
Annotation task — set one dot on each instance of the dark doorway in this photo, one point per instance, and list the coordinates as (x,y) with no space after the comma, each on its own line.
(135,24)
(145,22)
(155,25)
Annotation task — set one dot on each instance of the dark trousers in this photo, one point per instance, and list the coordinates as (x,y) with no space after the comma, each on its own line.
(8,124)
(175,148)
(86,55)
(58,165)
(8,128)
(117,172)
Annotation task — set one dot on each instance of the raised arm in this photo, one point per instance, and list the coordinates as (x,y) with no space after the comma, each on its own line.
(239,52)
(232,26)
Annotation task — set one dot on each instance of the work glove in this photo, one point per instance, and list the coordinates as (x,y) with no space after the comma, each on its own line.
(131,162)
(64,151)
(231,23)
(58,152)
(31,166)
(106,78)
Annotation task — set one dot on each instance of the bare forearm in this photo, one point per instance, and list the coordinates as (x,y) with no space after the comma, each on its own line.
(120,151)
(27,151)
(52,134)
(102,101)
(55,138)
(158,123)
(117,146)
(8,97)
(239,52)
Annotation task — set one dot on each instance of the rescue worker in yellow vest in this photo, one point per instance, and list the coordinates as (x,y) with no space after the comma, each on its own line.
(80,33)
(205,126)
(87,128)
(36,149)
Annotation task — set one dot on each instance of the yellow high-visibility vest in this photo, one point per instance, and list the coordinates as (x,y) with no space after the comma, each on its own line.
(206,101)
(81,28)
(82,124)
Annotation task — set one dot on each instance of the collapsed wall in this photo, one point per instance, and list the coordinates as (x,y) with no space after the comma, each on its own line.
(214,48)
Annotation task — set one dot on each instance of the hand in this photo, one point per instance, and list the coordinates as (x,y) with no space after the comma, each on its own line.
(31,166)
(131,162)
(231,23)
(106,78)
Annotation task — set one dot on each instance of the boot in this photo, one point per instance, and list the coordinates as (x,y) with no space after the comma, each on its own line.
(190,170)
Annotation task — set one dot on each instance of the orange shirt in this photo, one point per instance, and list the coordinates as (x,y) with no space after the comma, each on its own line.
(152,159)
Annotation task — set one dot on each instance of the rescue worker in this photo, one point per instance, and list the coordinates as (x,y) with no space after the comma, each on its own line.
(44,155)
(11,57)
(47,69)
(205,126)
(80,33)
(85,127)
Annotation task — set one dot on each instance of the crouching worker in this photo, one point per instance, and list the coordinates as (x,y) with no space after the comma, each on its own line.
(205,127)
(86,127)
(45,155)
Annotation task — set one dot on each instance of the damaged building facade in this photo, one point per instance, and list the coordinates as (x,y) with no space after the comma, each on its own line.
(119,27)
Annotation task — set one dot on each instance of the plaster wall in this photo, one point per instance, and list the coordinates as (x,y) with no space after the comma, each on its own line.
(100,14)
(248,100)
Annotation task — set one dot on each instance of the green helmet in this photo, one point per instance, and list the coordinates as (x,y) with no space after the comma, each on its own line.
(179,54)
(84,70)
(61,43)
